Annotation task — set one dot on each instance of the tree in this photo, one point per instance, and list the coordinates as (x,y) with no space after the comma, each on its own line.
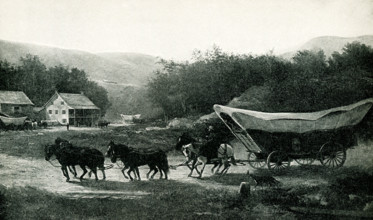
(39,83)
(354,56)
(310,64)
(8,74)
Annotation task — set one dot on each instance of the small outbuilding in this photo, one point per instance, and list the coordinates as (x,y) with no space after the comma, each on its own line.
(72,109)
(15,103)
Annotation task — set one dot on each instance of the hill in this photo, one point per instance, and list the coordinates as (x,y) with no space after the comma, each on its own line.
(128,68)
(328,44)
(123,75)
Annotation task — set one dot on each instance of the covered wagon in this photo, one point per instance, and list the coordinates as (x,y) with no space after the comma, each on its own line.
(274,139)
(10,123)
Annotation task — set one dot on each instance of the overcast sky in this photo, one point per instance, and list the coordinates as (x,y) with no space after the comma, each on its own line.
(172,29)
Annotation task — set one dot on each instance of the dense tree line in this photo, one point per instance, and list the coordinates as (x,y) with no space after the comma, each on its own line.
(309,82)
(39,83)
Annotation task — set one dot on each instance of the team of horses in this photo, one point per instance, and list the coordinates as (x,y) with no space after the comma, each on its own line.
(69,156)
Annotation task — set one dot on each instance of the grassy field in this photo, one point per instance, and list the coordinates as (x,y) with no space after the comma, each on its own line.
(347,188)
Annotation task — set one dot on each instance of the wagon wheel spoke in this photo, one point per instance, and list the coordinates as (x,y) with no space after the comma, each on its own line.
(333,163)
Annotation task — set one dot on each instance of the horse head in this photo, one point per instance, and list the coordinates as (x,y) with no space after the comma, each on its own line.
(59,140)
(65,144)
(184,139)
(49,150)
(113,159)
(110,149)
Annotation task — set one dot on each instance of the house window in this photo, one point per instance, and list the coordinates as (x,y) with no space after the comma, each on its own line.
(63,120)
(56,112)
(63,112)
(50,112)
(17,109)
(62,103)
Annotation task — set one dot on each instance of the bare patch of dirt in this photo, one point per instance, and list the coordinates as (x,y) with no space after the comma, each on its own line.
(40,174)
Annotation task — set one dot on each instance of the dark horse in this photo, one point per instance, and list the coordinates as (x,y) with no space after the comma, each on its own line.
(58,142)
(103,124)
(68,155)
(211,152)
(132,159)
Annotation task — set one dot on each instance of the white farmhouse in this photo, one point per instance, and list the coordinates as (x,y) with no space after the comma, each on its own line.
(73,109)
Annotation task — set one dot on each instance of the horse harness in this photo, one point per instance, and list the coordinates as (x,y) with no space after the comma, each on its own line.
(225,150)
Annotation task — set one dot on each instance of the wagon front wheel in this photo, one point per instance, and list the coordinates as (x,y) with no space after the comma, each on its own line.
(278,161)
(254,162)
(332,155)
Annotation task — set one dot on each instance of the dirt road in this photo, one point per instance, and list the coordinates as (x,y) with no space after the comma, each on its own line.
(40,174)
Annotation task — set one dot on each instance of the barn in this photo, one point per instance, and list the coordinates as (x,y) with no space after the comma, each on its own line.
(15,103)
(73,109)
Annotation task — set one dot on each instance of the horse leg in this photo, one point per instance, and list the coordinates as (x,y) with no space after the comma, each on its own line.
(165,174)
(94,170)
(84,172)
(151,168)
(103,172)
(65,173)
(191,169)
(187,163)
(124,174)
(226,167)
(161,174)
(138,173)
(72,170)
(204,161)
(199,162)
(215,165)
(129,173)
(155,172)
(220,164)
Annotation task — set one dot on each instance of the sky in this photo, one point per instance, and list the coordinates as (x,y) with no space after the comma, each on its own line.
(173,29)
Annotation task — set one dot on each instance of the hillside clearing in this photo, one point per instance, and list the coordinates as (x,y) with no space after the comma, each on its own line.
(26,177)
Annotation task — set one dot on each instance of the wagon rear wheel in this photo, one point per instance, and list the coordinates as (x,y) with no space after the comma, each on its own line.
(332,155)
(278,161)
(254,162)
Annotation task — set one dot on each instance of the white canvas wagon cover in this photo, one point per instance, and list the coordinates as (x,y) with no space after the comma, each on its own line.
(333,118)
(14,121)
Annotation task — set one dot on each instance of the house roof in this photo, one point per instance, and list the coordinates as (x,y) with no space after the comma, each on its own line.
(14,97)
(78,101)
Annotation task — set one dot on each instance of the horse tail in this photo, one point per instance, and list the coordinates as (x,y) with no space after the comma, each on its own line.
(165,166)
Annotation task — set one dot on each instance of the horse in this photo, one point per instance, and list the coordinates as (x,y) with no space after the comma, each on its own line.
(133,159)
(103,124)
(209,153)
(43,124)
(67,155)
(58,142)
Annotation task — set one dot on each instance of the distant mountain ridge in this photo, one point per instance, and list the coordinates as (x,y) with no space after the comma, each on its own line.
(127,68)
(328,44)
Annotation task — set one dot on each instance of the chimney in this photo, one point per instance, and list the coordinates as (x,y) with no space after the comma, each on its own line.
(81,92)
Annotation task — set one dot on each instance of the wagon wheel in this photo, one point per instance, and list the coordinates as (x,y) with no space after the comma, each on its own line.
(305,161)
(277,161)
(332,155)
(254,162)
